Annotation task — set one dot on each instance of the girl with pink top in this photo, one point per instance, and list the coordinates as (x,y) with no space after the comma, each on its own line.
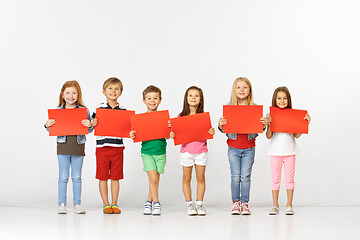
(194,153)
(282,152)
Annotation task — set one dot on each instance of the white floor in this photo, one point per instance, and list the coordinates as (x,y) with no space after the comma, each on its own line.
(38,223)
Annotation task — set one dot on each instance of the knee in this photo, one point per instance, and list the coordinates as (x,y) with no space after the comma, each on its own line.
(235,177)
(76,178)
(245,179)
(63,178)
(200,179)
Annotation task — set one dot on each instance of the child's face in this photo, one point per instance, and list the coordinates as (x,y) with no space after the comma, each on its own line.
(152,101)
(112,92)
(242,90)
(193,98)
(281,100)
(70,96)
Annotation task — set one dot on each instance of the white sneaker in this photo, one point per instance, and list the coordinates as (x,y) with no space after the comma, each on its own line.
(200,208)
(236,208)
(156,211)
(274,211)
(62,209)
(148,208)
(191,209)
(79,210)
(289,210)
(245,209)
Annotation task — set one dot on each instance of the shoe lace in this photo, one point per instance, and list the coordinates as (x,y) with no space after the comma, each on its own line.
(236,206)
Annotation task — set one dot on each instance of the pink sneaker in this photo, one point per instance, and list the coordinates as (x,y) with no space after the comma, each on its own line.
(245,209)
(236,208)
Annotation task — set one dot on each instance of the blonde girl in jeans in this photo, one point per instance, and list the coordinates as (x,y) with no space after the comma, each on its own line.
(241,150)
(282,152)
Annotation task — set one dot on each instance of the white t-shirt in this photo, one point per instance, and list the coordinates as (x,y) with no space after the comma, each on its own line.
(282,144)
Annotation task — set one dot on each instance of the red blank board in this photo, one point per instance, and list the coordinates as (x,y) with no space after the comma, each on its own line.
(288,120)
(243,118)
(113,123)
(150,126)
(191,128)
(68,122)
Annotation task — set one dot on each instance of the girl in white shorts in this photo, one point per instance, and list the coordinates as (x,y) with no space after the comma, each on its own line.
(194,153)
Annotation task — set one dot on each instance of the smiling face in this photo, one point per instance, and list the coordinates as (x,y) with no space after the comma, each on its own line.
(281,100)
(70,96)
(112,92)
(193,98)
(242,90)
(152,101)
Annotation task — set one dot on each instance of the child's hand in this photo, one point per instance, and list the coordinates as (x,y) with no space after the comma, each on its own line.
(169,124)
(94,122)
(86,123)
(263,120)
(49,123)
(172,135)
(132,134)
(222,122)
(308,118)
(212,131)
(268,120)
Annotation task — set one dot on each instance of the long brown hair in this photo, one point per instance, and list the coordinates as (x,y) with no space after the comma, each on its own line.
(287,93)
(186,107)
(233,98)
(71,84)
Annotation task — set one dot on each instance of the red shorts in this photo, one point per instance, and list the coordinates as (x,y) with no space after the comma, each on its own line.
(109,163)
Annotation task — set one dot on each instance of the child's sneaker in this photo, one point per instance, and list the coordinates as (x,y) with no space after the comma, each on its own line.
(156,211)
(274,211)
(79,210)
(108,210)
(115,209)
(148,208)
(289,210)
(236,208)
(245,209)
(191,209)
(62,209)
(200,208)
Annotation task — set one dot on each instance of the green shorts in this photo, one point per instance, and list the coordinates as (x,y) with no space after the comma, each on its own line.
(154,162)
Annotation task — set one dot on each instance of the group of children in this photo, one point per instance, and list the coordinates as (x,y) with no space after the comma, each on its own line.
(109,151)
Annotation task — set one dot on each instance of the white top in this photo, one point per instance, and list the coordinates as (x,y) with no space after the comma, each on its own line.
(282,144)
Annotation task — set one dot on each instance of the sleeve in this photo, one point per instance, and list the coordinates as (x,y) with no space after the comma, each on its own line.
(89,118)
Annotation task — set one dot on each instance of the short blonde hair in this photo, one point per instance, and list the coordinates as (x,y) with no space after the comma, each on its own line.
(113,80)
(233,98)
(151,88)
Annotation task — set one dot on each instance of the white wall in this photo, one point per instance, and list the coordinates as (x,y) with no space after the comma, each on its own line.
(312,47)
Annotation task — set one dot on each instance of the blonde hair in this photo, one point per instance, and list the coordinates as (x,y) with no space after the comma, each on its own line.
(113,80)
(74,84)
(233,98)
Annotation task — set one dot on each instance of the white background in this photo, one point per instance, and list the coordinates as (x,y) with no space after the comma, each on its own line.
(312,47)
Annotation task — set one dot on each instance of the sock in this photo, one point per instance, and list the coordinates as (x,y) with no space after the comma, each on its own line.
(199,203)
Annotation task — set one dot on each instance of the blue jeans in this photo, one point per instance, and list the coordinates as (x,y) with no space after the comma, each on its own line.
(76,162)
(241,162)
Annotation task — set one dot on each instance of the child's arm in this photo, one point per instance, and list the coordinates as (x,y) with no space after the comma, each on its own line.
(263,120)
(268,132)
(87,122)
(308,118)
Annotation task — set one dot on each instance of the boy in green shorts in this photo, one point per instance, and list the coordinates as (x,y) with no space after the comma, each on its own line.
(153,154)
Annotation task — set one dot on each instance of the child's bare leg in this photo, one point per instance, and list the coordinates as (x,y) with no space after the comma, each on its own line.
(200,179)
(275,197)
(115,188)
(290,194)
(186,186)
(153,185)
(103,189)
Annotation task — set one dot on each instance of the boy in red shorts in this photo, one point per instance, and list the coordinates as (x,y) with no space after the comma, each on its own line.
(109,151)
